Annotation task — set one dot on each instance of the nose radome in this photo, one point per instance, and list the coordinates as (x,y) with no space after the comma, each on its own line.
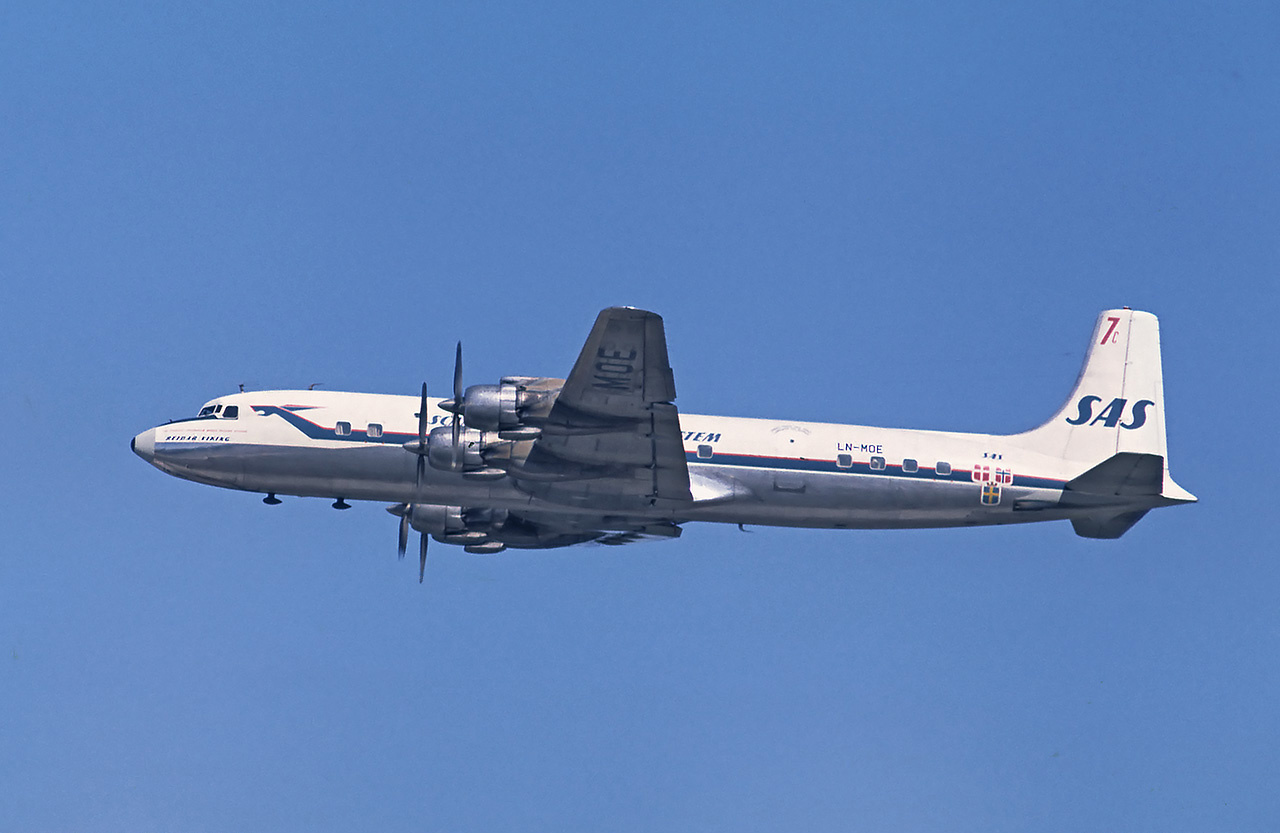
(144,445)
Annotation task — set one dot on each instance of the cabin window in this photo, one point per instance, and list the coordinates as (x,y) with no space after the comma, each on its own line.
(844,461)
(374,431)
(231,412)
(342,429)
(877,464)
(705,452)
(909,465)
(942,469)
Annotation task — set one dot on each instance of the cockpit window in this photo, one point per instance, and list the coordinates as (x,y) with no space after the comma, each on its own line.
(219,411)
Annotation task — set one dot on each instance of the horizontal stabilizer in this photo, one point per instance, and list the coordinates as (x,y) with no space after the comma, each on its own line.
(1112,526)
(1126,474)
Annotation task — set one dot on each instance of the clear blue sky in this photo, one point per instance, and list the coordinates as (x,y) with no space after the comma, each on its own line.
(902,214)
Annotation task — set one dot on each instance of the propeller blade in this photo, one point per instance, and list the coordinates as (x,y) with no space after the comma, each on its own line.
(422,556)
(457,375)
(423,422)
(457,401)
(404,533)
(423,419)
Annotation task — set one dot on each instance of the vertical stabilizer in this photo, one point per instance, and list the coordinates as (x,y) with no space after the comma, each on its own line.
(1117,404)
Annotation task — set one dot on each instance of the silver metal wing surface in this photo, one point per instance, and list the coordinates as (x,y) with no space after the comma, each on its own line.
(612,439)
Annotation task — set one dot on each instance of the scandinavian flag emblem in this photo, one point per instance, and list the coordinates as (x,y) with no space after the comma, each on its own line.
(982,474)
(991,482)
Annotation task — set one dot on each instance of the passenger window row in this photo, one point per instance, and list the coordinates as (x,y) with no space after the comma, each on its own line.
(909,466)
(373,431)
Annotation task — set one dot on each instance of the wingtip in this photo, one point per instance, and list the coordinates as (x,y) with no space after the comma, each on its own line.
(635,312)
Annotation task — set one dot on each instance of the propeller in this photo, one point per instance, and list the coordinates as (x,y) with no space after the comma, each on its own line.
(423,419)
(404,510)
(421,444)
(457,402)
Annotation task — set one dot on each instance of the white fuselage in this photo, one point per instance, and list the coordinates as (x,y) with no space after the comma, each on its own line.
(746,471)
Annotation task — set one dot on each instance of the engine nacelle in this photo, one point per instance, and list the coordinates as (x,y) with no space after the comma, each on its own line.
(434,519)
(491,407)
(515,404)
(455,521)
(440,453)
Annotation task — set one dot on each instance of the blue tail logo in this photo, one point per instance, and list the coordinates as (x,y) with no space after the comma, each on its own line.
(1111,415)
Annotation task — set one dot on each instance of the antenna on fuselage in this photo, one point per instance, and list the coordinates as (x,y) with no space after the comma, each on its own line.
(314,385)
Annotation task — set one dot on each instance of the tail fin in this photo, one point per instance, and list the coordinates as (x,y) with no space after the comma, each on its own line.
(1117,404)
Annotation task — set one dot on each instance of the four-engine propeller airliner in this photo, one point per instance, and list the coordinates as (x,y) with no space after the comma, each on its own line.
(604,455)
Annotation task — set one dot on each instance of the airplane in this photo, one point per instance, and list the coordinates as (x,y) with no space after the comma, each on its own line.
(604,455)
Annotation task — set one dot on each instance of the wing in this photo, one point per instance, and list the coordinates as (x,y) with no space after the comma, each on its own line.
(612,439)
(548,530)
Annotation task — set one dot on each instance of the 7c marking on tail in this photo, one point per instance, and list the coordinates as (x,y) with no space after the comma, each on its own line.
(1111,334)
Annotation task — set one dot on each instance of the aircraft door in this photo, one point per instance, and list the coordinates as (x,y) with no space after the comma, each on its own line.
(790,450)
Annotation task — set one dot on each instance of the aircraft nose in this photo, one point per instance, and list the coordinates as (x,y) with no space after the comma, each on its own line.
(144,445)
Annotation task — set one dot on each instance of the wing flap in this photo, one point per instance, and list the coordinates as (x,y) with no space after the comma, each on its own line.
(670,469)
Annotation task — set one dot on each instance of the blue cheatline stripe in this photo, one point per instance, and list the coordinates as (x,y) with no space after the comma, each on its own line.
(318,432)
(829,467)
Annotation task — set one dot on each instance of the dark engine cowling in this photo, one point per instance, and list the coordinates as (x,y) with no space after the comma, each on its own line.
(491,407)
(515,404)
(441,454)
(434,519)
(494,416)
(457,524)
